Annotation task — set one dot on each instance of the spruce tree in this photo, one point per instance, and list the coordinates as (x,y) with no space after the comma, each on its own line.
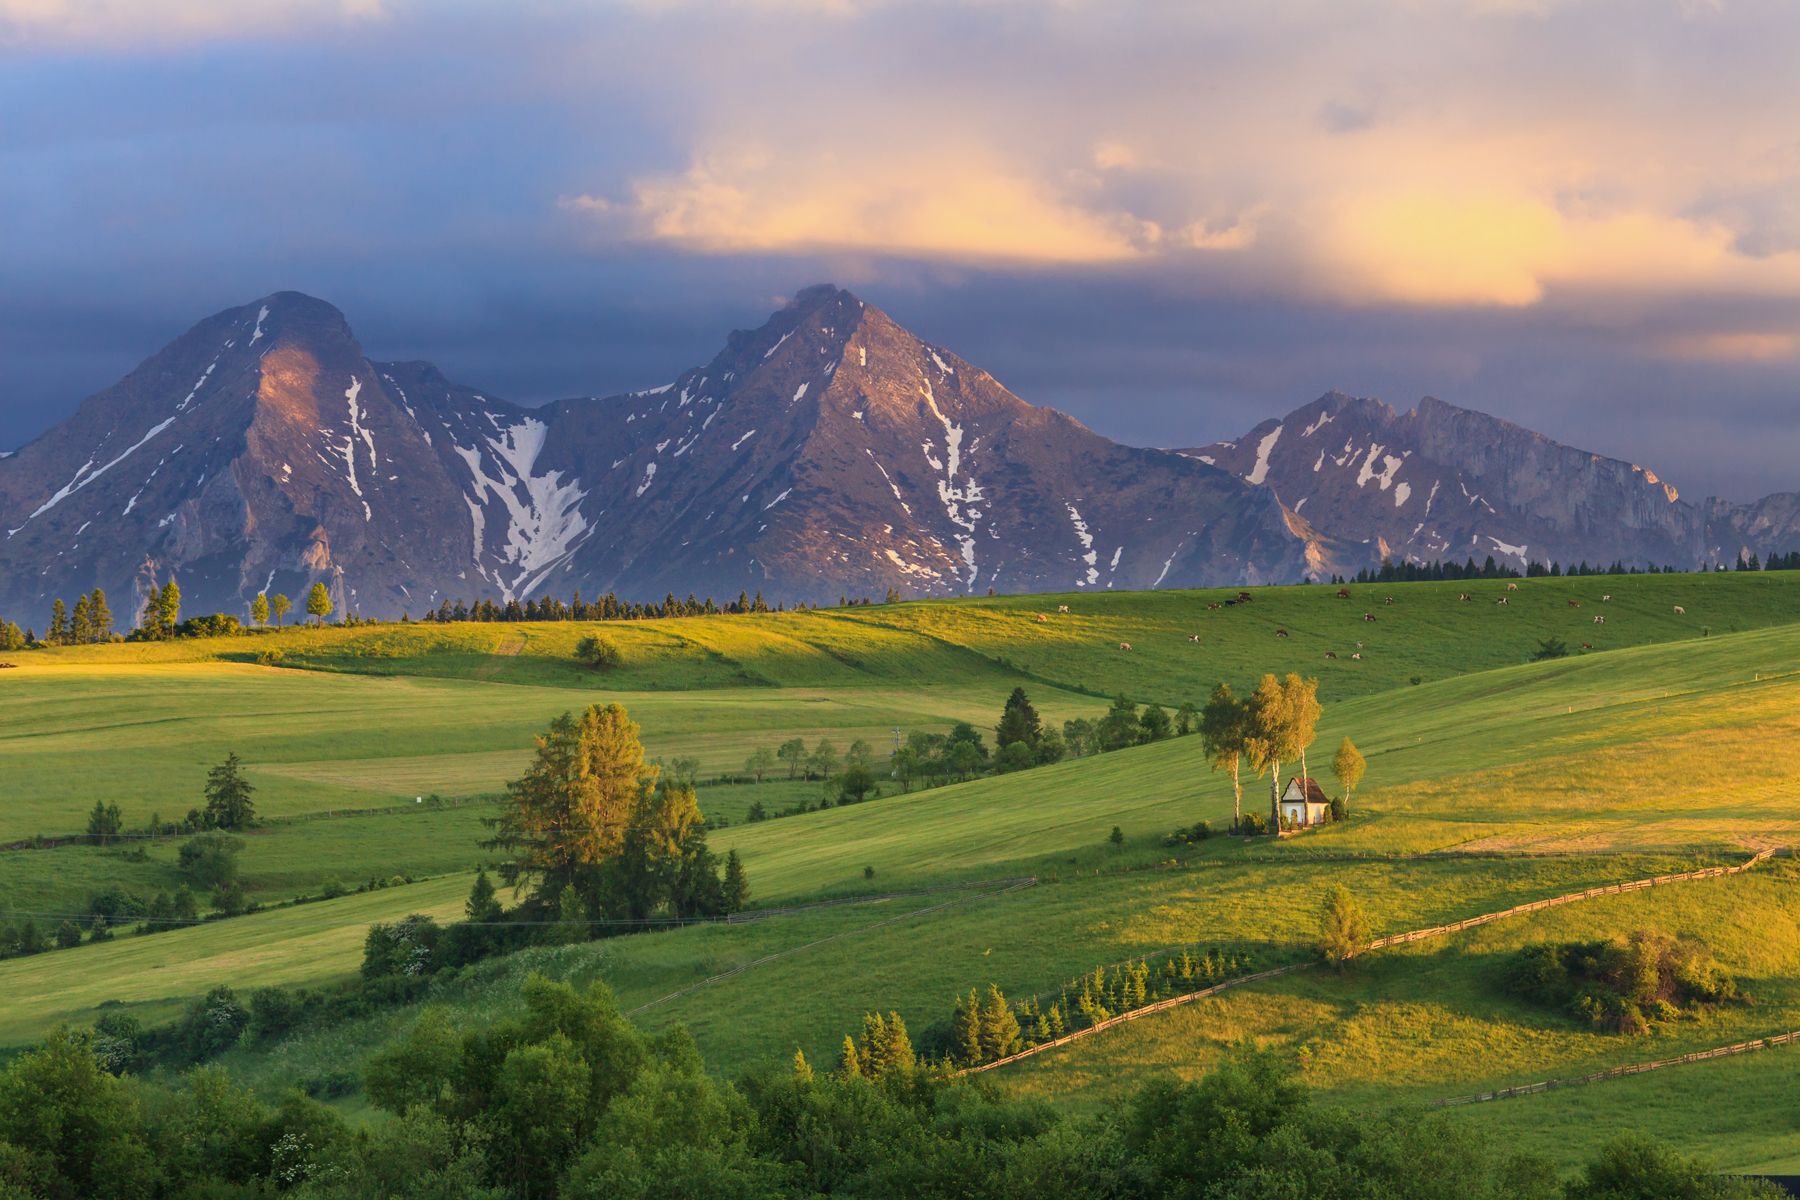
(999,1027)
(100,615)
(737,884)
(81,623)
(802,1069)
(850,1063)
(482,906)
(228,804)
(1019,722)
(59,622)
(965,1031)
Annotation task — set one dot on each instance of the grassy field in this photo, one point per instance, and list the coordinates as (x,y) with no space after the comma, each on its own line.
(1432,1019)
(151,975)
(1514,779)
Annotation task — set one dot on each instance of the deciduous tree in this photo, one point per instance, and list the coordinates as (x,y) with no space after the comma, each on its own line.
(1348,765)
(318,603)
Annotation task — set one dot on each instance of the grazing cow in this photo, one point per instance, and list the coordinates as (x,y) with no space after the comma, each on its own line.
(1368,616)
(1387,600)
(1680,611)
(1042,619)
(1502,600)
(1230,603)
(1331,654)
(1062,608)
(1464,596)
(1574,604)
(1606,599)
(1124,645)
(1599,620)
(1587,645)
(1193,637)
(1245,597)
(1343,593)
(1512,587)
(1281,633)
(1357,656)
(1359,645)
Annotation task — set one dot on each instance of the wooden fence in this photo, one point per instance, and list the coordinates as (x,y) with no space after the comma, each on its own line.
(1763,1043)
(1397,939)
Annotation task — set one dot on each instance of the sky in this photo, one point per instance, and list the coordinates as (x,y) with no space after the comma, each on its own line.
(1169,219)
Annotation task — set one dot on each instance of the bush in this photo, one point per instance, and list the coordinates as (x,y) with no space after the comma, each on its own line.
(210,860)
(213,1025)
(1253,824)
(1624,984)
(598,653)
(406,948)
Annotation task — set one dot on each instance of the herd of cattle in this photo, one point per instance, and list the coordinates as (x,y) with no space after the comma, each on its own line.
(1343,593)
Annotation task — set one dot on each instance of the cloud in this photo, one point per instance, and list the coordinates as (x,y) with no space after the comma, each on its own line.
(936,203)
(136,24)
(1760,346)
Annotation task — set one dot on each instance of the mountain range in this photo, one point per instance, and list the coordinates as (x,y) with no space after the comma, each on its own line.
(829,452)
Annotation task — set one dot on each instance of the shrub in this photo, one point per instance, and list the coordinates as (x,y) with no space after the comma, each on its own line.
(1624,984)
(407,947)
(210,860)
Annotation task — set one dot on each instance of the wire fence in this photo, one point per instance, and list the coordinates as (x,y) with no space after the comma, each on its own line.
(1397,939)
(1527,1089)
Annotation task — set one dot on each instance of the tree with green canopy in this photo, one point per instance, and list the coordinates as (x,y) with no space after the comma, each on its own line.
(318,603)
(228,803)
(1348,765)
(1224,733)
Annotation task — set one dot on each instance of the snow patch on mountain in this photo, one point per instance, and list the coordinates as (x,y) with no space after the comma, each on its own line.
(958,502)
(544,520)
(261,316)
(1089,555)
(1260,471)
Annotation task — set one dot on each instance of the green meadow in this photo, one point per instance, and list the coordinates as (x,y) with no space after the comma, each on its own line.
(1492,780)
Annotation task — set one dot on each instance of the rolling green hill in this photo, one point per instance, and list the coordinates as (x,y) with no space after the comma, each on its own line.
(1491,780)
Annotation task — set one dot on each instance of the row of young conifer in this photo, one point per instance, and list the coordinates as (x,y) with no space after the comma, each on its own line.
(987,1028)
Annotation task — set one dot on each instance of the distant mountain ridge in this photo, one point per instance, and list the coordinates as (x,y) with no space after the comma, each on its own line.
(1442,482)
(827,452)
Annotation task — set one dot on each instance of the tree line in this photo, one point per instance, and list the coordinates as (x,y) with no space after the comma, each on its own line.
(564,1099)
(1412,572)
(1022,739)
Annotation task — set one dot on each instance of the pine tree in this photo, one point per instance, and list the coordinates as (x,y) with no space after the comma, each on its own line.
(850,1063)
(100,615)
(81,623)
(572,917)
(228,804)
(999,1027)
(569,813)
(482,906)
(802,1069)
(1019,722)
(59,622)
(965,1031)
(737,884)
